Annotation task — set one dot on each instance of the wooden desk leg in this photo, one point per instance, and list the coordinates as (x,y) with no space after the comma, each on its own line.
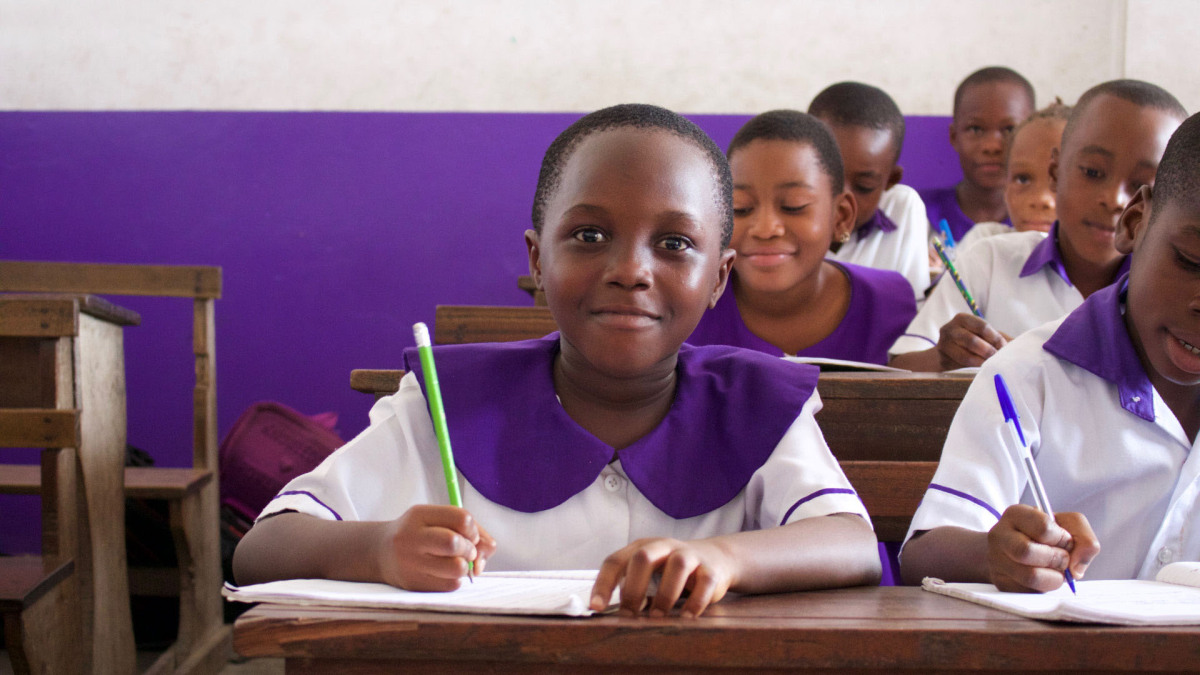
(100,392)
(204,640)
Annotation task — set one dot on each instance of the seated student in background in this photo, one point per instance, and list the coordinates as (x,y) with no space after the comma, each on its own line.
(987,107)
(610,444)
(1109,402)
(1029,188)
(785,296)
(1110,147)
(891,231)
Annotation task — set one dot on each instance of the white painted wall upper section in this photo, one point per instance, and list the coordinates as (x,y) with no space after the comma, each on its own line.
(695,56)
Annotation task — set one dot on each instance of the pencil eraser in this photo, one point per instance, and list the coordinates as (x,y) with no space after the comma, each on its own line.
(421,334)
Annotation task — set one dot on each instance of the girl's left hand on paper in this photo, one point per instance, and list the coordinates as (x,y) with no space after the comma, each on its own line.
(701,567)
(428,548)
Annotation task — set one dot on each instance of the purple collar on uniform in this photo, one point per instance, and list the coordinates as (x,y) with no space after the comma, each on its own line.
(879,221)
(1094,337)
(519,448)
(1047,252)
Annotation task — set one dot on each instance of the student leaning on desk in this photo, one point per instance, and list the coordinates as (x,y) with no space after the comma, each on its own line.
(610,444)
(1109,400)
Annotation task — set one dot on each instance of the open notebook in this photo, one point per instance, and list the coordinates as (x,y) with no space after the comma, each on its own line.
(561,593)
(841,365)
(1173,599)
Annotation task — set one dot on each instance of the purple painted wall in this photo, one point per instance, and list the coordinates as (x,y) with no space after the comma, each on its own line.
(336,232)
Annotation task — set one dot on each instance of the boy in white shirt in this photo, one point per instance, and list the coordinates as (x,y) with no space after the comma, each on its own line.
(891,230)
(1111,147)
(1109,403)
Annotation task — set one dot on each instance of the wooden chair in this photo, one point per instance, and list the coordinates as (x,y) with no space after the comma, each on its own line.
(525,283)
(192,493)
(62,388)
(459,324)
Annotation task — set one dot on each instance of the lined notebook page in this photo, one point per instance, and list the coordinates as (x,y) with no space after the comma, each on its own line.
(560,593)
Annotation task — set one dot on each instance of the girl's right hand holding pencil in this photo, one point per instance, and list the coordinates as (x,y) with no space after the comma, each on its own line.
(427,548)
(967,341)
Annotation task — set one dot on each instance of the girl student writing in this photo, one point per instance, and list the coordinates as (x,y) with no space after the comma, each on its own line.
(607,444)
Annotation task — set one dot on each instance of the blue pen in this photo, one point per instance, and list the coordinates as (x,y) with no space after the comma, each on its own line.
(1013,423)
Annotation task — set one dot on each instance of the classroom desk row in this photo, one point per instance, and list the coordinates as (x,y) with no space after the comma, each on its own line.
(855,630)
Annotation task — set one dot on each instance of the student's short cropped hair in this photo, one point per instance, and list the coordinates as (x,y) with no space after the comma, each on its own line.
(797,127)
(1178,176)
(1055,111)
(1137,92)
(990,75)
(635,116)
(860,105)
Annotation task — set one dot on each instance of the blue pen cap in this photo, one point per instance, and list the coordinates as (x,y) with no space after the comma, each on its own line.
(1007,407)
(947,236)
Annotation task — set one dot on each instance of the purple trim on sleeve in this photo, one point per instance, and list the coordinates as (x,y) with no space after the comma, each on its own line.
(818,493)
(975,500)
(310,496)
(1094,337)
(879,221)
(922,337)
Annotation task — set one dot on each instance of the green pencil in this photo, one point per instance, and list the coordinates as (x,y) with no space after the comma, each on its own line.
(962,288)
(437,412)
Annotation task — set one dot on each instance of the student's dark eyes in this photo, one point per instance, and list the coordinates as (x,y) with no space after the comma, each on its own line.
(864,189)
(793,209)
(1022,179)
(974,129)
(1008,130)
(742,211)
(589,235)
(1186,263)
(676,243)
(1091,172)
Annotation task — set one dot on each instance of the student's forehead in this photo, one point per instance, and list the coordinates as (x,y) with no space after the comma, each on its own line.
(1108,122)
(1179,218)
(998,97)
(1037,137)
(784,159)
(636,165)
(864,143)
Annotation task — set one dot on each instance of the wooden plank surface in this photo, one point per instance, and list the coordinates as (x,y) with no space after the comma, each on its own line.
(39,427)
(458,324)
(893,629)
(891,491)
(24,579)
(187,281)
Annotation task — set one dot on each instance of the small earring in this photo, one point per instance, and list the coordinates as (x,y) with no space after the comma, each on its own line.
(843,237)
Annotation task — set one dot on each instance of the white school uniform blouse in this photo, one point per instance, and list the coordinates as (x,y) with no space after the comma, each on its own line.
(395,464)
(1105,445)
(903,248)
(1018,281)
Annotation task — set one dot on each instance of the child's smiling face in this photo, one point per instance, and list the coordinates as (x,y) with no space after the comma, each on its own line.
(1113,149)
(1030,191)
(785,212)
(630,251)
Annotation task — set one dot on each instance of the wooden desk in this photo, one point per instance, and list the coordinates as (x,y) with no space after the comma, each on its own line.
(67,352)
(889,416)
(900,629)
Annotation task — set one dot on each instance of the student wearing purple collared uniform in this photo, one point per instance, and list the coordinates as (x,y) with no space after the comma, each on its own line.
(1109,403)
(1029,188)
(988,105)
(609,444)
(785,296)
(878,314)
(1111,146)
(891,230)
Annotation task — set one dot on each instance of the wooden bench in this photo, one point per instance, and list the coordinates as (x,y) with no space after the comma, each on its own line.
(192,493)
(38,603)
